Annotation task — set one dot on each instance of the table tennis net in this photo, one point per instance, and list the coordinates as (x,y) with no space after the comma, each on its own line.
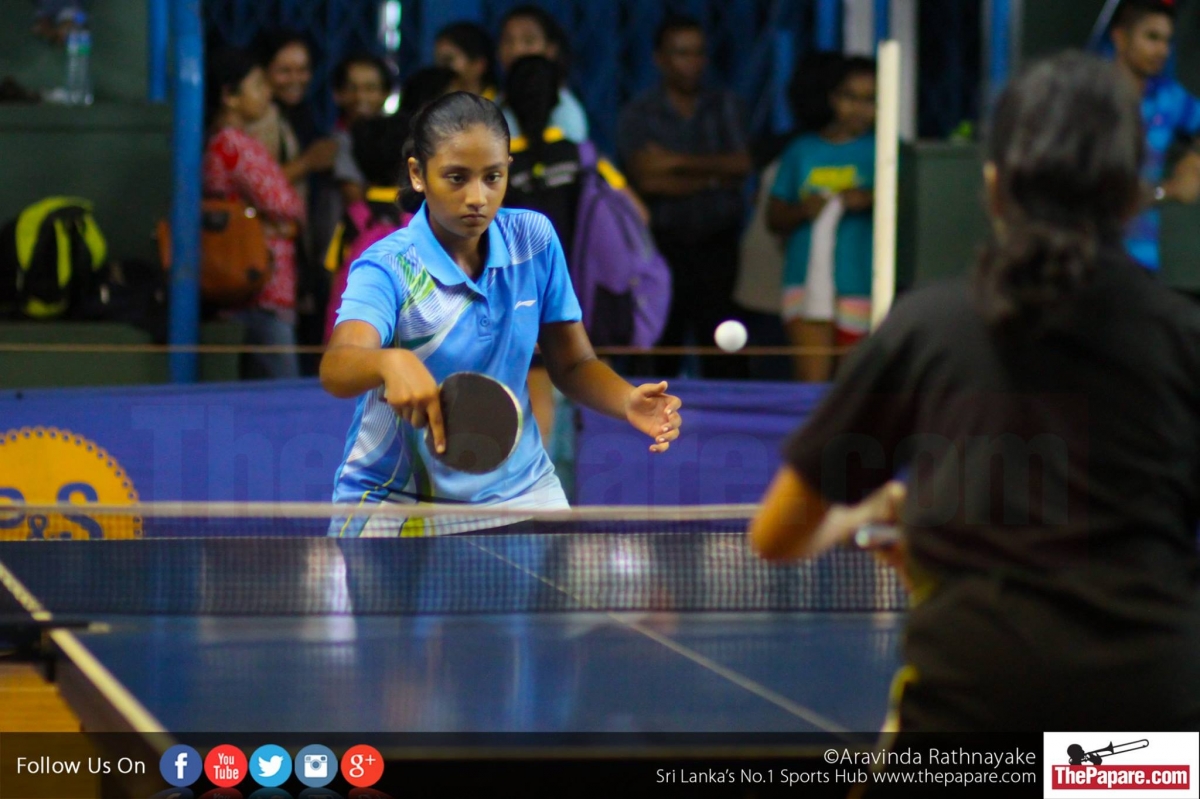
(239,559)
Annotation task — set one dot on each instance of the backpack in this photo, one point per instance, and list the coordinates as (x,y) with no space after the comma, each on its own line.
(52,260)
(623,283)
(761,256)
(548,184)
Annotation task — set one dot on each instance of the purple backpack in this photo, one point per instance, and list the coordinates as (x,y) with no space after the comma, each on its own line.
(623,283)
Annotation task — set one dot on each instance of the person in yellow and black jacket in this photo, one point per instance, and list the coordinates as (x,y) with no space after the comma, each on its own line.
(378,143)
(545,176)
(466,48)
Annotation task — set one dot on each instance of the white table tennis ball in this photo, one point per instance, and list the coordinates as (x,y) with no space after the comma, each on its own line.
(731,335)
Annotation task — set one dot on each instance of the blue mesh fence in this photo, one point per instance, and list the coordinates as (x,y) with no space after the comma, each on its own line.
(612,44)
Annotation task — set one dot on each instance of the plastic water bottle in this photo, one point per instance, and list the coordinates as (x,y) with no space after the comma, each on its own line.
(79,55)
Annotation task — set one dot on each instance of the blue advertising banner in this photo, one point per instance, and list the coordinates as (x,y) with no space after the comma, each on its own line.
(728,450)
(283,441)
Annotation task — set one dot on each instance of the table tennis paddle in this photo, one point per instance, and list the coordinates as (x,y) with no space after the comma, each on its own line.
(877,536)
(482,422)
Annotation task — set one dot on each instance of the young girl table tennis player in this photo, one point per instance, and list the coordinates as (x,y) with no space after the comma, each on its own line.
(467,286)
(1048,410)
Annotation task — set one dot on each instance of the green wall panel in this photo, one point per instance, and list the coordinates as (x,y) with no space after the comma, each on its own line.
(119,49)
(941,217)
(117,156)
(59,369)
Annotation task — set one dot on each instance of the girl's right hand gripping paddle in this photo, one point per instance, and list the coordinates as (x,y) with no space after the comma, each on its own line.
(482,423)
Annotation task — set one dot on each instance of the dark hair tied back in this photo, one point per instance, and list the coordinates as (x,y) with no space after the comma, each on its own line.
(447,116)
(1066,145)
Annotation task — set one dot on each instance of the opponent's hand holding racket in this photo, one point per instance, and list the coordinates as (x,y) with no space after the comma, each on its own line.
(413,394)
(876,529)
(650,409)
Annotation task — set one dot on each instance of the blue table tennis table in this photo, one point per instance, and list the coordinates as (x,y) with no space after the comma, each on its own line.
(567,634)
(574,672)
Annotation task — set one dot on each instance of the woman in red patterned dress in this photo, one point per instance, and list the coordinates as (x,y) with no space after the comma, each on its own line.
(238,165)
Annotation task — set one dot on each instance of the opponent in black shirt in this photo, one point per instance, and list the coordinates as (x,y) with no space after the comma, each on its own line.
(1046,413)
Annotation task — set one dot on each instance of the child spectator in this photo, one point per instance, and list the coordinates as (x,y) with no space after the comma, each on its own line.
(467,49)
(544,177)
(529,30)
(360,86)
(758,295)
(377,145)
(545,169)
(426,85)
(822,200)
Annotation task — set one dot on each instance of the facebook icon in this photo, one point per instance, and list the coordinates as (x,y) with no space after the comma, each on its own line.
(181,765)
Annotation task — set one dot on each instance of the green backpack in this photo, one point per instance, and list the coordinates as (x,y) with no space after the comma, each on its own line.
(52,259)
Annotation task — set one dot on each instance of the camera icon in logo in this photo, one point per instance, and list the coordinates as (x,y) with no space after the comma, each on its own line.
(316,767)
(312,766)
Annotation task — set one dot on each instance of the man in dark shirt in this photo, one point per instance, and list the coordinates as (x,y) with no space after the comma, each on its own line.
(684,148)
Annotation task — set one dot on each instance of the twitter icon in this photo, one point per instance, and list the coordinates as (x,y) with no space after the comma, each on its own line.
(270,766)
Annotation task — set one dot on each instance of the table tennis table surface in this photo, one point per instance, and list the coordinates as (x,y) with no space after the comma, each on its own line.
(577,671)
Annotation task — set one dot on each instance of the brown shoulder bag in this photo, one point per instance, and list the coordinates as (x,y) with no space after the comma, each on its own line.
(235,262)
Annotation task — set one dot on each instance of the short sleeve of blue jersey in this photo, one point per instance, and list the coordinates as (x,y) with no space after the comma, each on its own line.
(789,178)
(372,295)
(559,303)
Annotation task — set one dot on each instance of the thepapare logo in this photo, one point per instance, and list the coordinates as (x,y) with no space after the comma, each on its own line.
(1122,764)
(46,466)
(1076,755)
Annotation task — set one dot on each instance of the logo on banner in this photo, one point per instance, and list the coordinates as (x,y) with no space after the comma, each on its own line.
(47,466)
(1122,765)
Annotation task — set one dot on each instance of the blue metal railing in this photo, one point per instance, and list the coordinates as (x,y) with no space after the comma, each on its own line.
(188,131)
(883,20)
(999,46)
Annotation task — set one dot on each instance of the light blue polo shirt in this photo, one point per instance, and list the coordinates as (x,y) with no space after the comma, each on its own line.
(568,116)
(410,290)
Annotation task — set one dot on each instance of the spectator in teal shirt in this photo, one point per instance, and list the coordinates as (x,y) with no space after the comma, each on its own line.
(836,162)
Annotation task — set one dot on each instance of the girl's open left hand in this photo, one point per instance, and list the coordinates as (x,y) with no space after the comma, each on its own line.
(650,409)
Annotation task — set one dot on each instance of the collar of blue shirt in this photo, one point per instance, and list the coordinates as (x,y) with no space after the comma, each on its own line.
(439,263)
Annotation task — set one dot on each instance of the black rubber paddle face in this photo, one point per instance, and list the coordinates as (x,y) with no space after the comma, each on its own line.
(482,421)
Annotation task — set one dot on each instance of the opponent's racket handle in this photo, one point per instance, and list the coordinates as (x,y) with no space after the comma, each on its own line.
(876,536)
